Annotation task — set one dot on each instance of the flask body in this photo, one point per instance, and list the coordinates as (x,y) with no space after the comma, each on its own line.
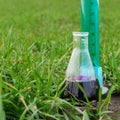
(80,75)
(89,87)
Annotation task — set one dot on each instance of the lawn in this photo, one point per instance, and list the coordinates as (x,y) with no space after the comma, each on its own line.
(35,47)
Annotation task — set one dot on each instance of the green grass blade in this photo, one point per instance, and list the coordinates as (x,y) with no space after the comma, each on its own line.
(85,115)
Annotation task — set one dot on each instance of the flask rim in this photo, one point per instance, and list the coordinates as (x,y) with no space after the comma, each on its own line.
(81,34)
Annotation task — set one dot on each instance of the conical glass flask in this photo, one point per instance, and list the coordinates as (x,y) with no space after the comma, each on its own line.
(80,70)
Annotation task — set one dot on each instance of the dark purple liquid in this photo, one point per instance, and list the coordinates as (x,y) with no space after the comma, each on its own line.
(89,87)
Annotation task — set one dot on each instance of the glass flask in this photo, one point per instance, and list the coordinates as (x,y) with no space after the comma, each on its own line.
(80,71)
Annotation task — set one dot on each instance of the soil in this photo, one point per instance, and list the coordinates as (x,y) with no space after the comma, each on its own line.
(115,106)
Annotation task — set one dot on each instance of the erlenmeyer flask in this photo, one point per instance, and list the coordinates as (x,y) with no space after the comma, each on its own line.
(80,70)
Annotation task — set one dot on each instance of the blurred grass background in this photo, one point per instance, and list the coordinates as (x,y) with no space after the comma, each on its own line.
(35,46)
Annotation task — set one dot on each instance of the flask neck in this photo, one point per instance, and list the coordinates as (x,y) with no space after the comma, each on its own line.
(76,41)
(84,43)
(80,40)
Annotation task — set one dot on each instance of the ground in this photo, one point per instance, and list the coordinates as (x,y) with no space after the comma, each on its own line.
(115,106)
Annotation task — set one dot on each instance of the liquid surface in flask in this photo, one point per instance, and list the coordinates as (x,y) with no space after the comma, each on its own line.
(90,89)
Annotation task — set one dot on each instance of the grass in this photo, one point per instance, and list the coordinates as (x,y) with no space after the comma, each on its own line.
(110,42)
(35,46)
